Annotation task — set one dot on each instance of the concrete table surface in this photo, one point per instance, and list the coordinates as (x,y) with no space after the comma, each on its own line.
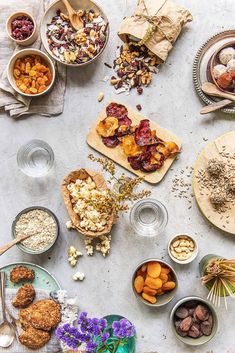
(170,101)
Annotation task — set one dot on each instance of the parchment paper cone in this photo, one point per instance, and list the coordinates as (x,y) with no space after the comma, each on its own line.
(156,24)
(100,183)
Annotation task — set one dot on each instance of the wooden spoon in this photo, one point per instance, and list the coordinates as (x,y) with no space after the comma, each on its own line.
(74,17)
(15,241)
(212,90)
(215,106)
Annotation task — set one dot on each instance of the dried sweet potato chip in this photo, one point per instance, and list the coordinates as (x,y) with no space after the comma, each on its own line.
(107,127)
(130,147)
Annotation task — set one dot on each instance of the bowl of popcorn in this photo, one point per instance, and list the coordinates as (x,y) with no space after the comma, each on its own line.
(154,282)
(21,28)
(31,72)
(88,202)
(182,248)
(75,47)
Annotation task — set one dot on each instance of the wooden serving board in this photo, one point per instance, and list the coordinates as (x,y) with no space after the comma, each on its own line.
(117,154)
(212,150)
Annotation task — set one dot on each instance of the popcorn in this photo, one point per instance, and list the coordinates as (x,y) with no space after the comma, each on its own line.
(104,245)
(73,254)
(78,276)
(70,225)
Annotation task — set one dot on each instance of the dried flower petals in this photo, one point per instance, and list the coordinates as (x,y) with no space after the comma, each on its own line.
(134,67)
(76,47)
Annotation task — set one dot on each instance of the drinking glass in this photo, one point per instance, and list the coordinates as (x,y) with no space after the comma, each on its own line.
(148,217)
(35,158)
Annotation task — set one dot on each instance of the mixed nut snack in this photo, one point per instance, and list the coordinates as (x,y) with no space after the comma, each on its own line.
(76,47)
(193,319)
(144,150)
(31,74)
(134,67)
(153,279)
(22,27)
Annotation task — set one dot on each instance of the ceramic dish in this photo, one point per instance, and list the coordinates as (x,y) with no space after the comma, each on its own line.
(76,4)
(43,279)
(161,299)
(24,248)
(31,38)
(214,60)
(193,254)
(21,54)
(200,340)
(201,63)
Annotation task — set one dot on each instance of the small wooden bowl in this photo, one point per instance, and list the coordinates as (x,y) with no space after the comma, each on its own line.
(25,42)
(214,60)
(101,184)
(22,53)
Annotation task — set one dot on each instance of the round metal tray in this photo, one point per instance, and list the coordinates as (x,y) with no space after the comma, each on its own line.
(201,62)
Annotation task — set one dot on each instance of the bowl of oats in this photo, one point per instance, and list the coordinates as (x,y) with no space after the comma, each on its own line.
(75,47)
(41,225)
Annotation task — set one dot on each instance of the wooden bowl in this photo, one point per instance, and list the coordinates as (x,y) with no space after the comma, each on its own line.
(214,60)
(25,42)
(101,185)
(22,53)
(76,4)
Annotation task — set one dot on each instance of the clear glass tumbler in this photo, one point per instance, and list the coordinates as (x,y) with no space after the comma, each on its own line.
(148,217)
(35,158)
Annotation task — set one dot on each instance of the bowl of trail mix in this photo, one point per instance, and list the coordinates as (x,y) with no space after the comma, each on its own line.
(75,47)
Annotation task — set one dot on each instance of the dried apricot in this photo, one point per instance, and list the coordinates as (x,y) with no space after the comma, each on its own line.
(168,285)
(160,291)
(164,277)
(154,283)
(149,298)
(165,270)
(149,291)
(139,284)
(144,268)
(141,273)
(154,269)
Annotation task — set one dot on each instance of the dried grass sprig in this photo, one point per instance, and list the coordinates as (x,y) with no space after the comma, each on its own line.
(221,273)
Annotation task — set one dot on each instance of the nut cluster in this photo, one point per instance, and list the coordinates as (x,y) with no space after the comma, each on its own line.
(134,67)
(182,247)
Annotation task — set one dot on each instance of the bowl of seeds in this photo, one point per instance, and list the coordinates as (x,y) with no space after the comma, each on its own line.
(40,224)
(182,248)
(75,47)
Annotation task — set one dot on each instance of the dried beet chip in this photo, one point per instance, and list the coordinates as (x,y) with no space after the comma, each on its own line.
(111,141)
(136,162)
(116,110)
(143,134)
(125,121)
(148,167)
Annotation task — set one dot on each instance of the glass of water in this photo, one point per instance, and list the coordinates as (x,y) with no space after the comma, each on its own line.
(148,217)
(35,158)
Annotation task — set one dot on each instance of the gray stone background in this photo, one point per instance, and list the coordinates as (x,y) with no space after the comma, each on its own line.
(170,101)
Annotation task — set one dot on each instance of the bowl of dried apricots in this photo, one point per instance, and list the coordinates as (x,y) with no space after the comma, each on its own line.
(31,72)
(154,282)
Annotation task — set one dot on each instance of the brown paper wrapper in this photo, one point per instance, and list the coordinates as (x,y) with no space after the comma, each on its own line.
(156,23)
(100,183)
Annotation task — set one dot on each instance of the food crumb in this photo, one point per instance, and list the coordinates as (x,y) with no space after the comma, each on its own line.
(138,107)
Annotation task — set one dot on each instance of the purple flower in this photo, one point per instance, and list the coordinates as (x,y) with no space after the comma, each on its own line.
(123,328)
(105,336)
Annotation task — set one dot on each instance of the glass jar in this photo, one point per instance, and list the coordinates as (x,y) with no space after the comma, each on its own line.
(148,217)
(130,343)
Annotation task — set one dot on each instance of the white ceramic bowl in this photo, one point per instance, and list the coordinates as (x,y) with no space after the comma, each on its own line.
(161,299)
(194,341)
(23,53)
(30,39)
(76,4)
(194,253)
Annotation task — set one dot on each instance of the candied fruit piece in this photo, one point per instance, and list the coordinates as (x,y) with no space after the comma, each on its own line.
(33,90)
(186,324)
